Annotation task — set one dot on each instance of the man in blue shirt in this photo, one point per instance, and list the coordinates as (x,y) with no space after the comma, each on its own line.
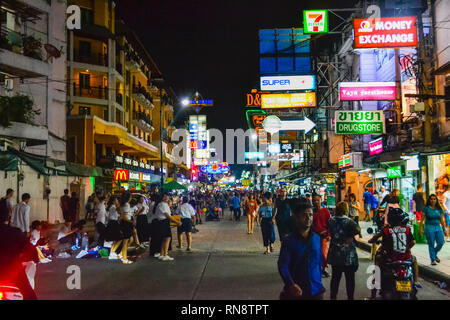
(367,196)
(237,207)
(300,261)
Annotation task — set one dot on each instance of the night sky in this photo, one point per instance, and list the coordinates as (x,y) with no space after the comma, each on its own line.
(211,46)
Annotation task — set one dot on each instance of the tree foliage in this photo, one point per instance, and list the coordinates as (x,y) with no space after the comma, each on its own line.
(16,109)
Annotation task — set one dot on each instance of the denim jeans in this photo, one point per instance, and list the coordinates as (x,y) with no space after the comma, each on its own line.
(434,234)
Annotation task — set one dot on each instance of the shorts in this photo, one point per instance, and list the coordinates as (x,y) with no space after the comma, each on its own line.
(186,226)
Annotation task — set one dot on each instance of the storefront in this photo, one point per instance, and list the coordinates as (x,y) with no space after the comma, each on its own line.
(133,181)
(438,173)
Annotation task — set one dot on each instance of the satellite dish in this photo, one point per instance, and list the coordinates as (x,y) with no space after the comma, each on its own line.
(52,51)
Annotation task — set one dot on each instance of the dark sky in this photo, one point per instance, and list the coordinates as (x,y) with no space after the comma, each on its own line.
(211,46)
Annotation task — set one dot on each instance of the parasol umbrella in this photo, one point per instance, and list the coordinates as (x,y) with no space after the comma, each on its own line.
(173,185)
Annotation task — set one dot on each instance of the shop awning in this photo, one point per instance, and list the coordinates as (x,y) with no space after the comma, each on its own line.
(8,162)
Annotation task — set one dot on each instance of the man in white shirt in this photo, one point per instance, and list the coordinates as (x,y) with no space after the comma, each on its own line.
(21,215)
(383,193)
(187,212)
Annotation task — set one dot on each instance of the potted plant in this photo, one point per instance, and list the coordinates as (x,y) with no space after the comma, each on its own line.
(32,47)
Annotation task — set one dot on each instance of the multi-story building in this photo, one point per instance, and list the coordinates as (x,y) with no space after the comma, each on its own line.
(113,108)
(32,77)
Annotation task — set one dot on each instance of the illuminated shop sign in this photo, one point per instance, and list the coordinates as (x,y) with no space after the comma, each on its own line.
(385,32)
(376,147)
(134,176)
(127,161)
(315,21)
(121,175)
(119,159)
(288,100)
(367,91)
(360,122)
(394,172)
(279,83)
(254,155)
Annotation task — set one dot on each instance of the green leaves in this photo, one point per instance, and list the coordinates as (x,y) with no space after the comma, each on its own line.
(16,109)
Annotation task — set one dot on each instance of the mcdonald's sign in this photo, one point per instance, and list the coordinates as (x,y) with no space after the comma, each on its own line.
(121,175)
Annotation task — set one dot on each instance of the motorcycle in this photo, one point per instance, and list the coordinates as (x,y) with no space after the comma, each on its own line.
(10,292)
(397,280)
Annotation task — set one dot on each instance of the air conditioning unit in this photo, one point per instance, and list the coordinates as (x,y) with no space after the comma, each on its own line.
(418,107)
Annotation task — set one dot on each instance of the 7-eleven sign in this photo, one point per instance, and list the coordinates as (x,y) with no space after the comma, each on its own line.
(315,21)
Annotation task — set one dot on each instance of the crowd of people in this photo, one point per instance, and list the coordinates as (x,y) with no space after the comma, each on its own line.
(313,239)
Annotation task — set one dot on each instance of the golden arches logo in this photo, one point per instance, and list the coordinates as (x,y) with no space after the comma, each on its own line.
(121,175)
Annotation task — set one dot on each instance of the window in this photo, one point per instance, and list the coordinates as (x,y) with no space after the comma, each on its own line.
(84,111)
(105,115)
(87,17)
(128,76)
(109,151)
(85,49)
(85,80)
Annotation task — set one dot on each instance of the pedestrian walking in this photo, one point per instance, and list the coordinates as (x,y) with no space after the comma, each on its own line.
(252,212)
(64,204)
(342,255)
(126,225)
(321,217)
(155,239)
(392,200)
(353,209)
(142,220)
(6,206)
(300,261)
(267,221)
(367,196)
(283,214)
(100,222)
(434,221)
(21,215)
(187,213)
(446,205)
(419,199)
(237,207)
(113,231)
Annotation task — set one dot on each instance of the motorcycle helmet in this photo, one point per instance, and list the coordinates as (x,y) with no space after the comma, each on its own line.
(396,217)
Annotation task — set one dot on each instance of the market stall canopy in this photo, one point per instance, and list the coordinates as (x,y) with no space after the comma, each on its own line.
(173,185)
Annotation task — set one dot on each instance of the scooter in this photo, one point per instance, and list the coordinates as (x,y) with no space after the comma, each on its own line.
(397,280)
(10,292)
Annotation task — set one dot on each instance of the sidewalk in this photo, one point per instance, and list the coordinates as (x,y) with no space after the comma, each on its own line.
(441,272)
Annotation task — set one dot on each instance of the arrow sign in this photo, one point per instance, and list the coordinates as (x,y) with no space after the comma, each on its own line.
(297,125)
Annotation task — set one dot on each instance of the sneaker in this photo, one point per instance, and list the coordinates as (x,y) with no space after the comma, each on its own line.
(160,257)
(325,274)
(434,263)
(417,285)
(157,255)
(438,260)
(113,256)
(167,258)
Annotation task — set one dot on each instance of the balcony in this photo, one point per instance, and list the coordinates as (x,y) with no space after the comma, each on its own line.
(132,61)
(143,97)
(90,92)
(22,55)
(94,59)
(143,122)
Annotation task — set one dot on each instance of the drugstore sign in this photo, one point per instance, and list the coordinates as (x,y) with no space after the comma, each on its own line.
(360,122)
(385,32)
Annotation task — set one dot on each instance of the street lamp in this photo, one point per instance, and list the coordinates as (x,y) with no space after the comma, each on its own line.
(185,102)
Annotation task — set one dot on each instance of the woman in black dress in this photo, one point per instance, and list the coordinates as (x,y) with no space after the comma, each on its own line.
(126,225)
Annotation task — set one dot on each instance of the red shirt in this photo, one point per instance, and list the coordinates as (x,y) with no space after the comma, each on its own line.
(397,242)
(320,220)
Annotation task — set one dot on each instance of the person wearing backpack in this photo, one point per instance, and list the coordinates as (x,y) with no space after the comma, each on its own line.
(6,206)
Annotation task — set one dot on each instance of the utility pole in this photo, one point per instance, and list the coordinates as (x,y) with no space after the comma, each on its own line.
(426,82)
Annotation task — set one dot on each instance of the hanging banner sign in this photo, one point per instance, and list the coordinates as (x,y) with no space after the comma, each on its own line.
(376,147)
(280,83)
(288,100)
(367,91)
(385,32)
(360,122)
(315,21)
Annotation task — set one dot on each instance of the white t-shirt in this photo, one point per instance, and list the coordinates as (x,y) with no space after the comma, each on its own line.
(186,211)
(161,210)
(127,212)
(101,213)
(35,236)
(113,215)
(143,205)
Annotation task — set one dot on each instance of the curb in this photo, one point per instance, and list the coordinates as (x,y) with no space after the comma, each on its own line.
(424,270)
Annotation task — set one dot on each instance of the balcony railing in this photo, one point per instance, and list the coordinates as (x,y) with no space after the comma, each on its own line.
(95,59)
(132,60)
(143,122)
(26,45)
(142,96)
(90,92)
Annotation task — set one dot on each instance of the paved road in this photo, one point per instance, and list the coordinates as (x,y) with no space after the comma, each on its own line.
(227,263)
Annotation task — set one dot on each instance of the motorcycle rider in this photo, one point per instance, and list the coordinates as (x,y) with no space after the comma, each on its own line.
(397,241)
